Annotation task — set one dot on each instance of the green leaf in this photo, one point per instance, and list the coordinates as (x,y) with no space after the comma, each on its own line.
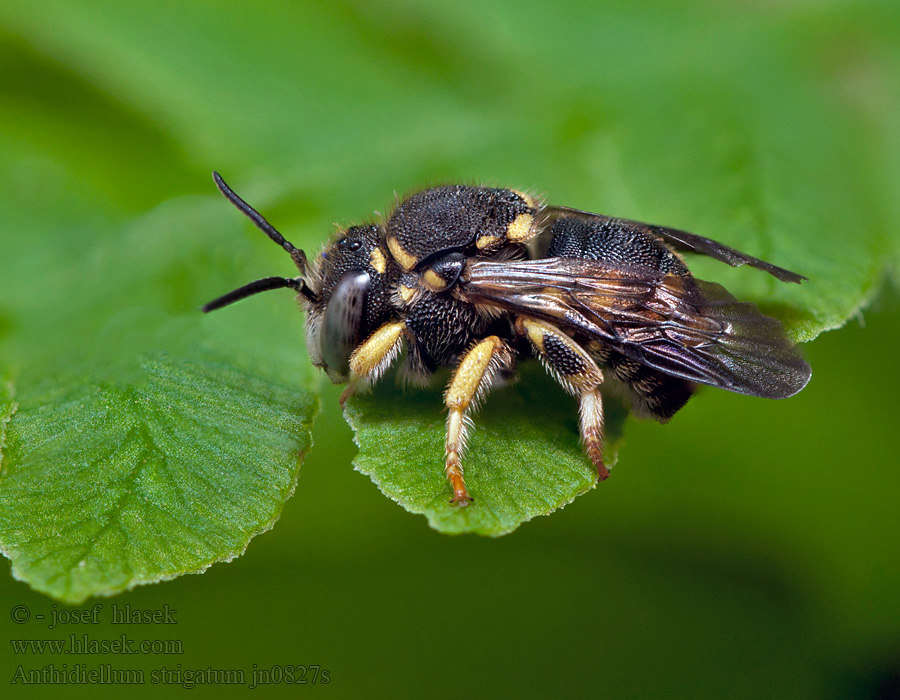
(523,457)
(7,408)
(107,486)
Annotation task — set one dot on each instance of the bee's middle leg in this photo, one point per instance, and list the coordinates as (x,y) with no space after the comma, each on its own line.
(572,367)
(471,381)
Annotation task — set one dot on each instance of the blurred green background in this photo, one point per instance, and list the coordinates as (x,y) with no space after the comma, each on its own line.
(747,550)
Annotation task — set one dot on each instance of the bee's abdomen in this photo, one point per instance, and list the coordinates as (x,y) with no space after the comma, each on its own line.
(652,393)
(611,241)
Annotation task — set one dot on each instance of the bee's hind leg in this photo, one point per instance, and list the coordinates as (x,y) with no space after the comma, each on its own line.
(572,367)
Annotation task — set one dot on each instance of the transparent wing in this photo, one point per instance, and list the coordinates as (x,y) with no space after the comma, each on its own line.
(681,326)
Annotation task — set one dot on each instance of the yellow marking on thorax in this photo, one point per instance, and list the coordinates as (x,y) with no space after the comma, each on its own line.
(432,281)
(378,261)
(407,261)
(487,242)
(406,293)
(529,200)
(520,230)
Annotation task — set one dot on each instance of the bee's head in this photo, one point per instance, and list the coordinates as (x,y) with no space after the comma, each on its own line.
(353,275)
(345,290)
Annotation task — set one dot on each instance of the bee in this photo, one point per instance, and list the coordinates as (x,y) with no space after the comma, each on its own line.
(472,277)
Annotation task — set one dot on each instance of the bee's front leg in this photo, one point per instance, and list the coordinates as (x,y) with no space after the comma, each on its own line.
(370,360)
(471,381)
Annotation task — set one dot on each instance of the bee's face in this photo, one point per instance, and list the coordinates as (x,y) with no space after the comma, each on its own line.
(351,280)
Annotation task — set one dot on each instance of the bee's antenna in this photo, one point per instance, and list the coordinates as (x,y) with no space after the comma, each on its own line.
(297,255)
(263,285)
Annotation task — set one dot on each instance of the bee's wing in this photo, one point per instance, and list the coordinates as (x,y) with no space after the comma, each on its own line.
(688,242)
(678,325)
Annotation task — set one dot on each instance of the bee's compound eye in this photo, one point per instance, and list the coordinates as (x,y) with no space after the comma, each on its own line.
(342,323)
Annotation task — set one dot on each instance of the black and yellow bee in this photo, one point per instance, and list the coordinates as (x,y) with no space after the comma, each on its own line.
(471,277)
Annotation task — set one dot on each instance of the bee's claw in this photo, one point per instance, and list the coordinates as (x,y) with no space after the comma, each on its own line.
(462,499)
